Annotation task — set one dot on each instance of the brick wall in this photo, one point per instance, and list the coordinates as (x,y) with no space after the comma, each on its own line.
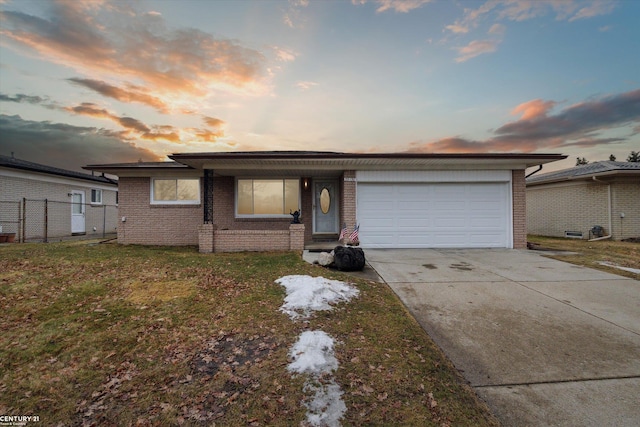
(257,240)
(579,205)
(146,224)
(296,237)
(348,199)
(205,238)
(250,240)
(574,206)
(625,195)
(519,209)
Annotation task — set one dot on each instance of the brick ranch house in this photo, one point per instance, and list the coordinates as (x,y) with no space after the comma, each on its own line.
(236,201)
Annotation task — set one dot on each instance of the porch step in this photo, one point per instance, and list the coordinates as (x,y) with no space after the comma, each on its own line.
(322,246)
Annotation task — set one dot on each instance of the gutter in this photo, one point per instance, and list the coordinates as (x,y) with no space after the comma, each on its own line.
(609,198)
(534,172)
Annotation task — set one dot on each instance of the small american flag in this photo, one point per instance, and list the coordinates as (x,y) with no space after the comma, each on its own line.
(354,234)
(343,232)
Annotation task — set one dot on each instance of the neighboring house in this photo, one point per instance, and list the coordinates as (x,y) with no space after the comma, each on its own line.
(235,201)
(40,202)
(572,201)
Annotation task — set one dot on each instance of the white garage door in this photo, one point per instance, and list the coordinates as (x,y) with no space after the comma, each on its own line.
(434,215)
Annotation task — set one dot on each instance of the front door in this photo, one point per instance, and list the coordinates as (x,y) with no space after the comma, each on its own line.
(325,207)
(77,212)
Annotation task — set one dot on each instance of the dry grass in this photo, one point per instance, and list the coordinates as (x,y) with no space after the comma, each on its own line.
(131,335)
(590,254)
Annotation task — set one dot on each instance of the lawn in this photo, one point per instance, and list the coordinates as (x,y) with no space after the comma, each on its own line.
(104,334)
(591,254)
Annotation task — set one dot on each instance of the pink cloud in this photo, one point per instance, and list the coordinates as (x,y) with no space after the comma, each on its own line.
(522,10)
(129,94)
(135,46)
(596,8)
(402,6)
(497,29)
(133,128)
(577,125)
(214,122)
(532,109)
(457,28)
(475,48)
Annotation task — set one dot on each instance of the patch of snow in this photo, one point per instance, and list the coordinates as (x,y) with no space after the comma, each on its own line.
(313,355)
(306,294)
(326,406)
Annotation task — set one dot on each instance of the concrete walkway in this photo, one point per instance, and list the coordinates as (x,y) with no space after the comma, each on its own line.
(544,343)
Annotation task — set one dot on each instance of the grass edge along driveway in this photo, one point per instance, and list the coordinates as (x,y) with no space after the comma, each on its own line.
(104,334)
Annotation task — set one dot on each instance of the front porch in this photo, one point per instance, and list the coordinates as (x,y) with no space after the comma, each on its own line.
(324,203)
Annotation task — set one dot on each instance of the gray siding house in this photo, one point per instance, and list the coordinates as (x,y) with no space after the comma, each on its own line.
(40,202)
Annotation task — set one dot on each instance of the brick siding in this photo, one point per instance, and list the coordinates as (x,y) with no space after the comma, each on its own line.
(255,240)
(519,209)
(625,196)
(348,199)
(147,224)
(555,208)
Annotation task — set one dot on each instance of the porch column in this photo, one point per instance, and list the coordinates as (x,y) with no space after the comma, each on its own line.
(206,238)
(207,228)
(296,237)
(208,196)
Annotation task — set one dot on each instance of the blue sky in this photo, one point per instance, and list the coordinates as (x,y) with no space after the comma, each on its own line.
(103,81)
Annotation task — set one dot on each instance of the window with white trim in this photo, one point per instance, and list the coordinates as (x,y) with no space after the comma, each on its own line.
(267,197)
(96,196)
(184,191)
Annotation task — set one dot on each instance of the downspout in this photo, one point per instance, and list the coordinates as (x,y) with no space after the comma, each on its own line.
(534,172)
(609,199)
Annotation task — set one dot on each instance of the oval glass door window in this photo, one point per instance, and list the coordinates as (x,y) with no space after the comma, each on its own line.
(325,200)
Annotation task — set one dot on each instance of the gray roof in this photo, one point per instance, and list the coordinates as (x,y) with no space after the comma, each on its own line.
(13,163)
(137,165)
(606,167)
(295,163)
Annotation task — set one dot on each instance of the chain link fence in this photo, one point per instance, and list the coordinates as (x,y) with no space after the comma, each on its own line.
(45,220)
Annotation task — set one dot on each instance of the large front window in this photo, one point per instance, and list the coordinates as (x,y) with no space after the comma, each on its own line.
(265,197)
(175,191)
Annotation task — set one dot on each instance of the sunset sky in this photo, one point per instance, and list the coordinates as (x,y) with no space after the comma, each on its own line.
(101,81)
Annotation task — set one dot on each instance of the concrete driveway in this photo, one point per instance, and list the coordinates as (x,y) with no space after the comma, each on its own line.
(541,341)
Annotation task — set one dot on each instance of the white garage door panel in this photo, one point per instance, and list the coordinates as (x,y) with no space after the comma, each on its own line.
(434,215)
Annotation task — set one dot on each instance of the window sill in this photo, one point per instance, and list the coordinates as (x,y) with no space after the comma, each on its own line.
(175,205)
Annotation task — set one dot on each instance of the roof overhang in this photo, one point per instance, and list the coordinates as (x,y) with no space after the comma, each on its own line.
(330,163)
(144,169)
(313,163)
